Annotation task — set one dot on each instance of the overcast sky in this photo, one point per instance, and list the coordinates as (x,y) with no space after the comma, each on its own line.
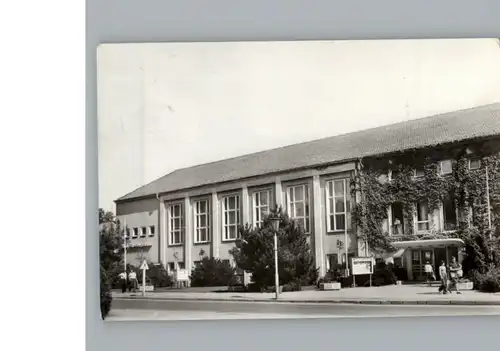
(168,106)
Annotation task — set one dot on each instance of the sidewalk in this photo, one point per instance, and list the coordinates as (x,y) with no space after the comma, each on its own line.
(410,294)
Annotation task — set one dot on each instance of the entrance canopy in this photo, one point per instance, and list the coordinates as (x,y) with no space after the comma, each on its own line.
(430,243)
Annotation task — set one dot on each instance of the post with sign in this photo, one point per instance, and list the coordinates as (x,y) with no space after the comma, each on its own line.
(362,266)
(144,268)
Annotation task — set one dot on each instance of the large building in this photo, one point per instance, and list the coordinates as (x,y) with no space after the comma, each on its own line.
(194,212)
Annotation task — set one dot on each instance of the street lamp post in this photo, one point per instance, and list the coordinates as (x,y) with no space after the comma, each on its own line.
(275,222)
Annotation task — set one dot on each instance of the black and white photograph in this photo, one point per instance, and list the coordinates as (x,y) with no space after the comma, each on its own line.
(299,179)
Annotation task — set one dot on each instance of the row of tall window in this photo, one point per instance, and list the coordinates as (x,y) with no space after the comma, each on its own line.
(447,214)
(298,205)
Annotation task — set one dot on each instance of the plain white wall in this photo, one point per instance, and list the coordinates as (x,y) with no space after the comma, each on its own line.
(168,106)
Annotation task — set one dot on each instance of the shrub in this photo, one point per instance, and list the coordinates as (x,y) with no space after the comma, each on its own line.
(213,272)
(293,286)
(158,276)
(383,274)
(105,295)
(489,281)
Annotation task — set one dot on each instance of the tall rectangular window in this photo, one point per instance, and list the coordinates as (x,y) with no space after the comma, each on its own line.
(151,230)
(261,206)
(144,231)
(397,218)
(423,221)
(230,216)
(135,232)
(202,221)
(450,219)
(337,204)
(298,205)
(176,227)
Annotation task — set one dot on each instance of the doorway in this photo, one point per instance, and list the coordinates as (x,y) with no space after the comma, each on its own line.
(440,255)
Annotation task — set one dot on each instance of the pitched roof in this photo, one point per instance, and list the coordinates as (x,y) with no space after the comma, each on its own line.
(472,123)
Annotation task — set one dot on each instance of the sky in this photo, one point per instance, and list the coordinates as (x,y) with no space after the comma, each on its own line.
(165,106)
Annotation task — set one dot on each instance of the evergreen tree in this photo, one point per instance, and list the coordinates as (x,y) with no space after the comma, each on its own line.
(254,252)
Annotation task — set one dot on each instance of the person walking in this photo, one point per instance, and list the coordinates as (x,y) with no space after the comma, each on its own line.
(455,273)
(443,276)
(429,273)
(123,281)
(132,277)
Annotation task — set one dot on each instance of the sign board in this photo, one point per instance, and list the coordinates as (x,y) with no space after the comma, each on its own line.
(144,265)
(181,275)
(362,265)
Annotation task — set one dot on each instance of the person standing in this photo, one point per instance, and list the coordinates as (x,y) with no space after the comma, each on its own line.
(132,277)
(123,281)
(455,270)
(443,276)
(429,272)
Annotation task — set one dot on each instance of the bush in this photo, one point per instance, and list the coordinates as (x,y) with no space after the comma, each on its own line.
(158,276)
(383,275)
(213,272)
(331,276)
(105,297)
(293,286)
(489,281)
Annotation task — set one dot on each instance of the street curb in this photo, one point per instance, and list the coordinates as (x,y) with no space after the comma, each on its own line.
(359,302)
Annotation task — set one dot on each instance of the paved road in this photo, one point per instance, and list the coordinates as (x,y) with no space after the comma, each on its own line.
(169,310)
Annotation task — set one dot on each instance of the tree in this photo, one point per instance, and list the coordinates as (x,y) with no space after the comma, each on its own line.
(254,252)
(110,255)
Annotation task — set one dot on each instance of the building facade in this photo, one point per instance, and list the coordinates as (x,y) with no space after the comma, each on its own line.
(195,212)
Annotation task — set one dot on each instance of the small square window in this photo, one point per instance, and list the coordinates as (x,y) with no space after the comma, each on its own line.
(474,164)
(394,173)
(446,167)
(419,172)
(152,230)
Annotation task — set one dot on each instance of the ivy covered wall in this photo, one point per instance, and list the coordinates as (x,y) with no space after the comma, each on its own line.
(466,188)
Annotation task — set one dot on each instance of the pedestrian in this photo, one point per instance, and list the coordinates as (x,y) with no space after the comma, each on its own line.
(429,272)
(132,277)
(123,281)
(455,274)
(443,276)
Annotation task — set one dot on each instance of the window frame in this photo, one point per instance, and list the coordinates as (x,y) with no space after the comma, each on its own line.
(474,159)
(225,227)
(306,202)
(441,167)
(333,212)
(390,176)
(171,219)
(390,222)
(151,233)
(415,174)
(207,227)
(417,222)
(143,231)
(256,208)
(443,219)
(135,232)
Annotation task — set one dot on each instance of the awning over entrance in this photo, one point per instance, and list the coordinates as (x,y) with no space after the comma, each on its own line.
(414,244)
